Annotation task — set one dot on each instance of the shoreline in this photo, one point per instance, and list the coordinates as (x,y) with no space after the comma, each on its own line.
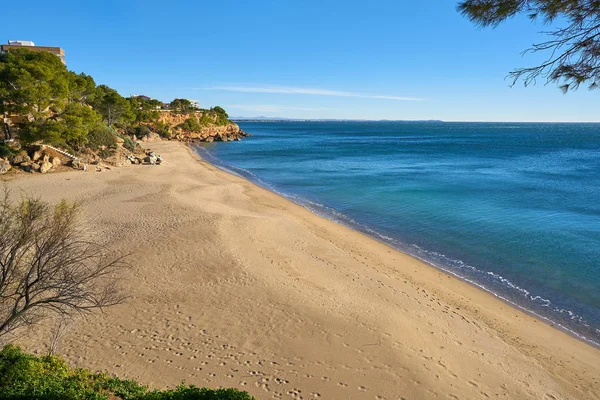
(381,239)
(281,302)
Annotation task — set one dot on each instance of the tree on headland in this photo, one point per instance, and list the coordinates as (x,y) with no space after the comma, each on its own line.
(47,267)
(220,111)
(81,87)
(145,110)
(574,48)
(30,82)
(69,127)
(113,107)
(181,105)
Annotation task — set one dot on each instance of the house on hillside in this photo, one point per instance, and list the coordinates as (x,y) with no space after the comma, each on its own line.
(26,44)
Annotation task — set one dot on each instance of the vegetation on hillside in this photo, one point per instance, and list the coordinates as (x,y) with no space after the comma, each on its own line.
(25,376)
(62,108)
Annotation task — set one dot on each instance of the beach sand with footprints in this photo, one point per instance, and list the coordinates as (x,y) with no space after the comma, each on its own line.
(232,285)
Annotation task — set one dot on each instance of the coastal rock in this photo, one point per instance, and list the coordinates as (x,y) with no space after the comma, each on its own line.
(37,155)
(45,167)
(55,161)
(4,166)
(26,166)
(152,137)
(208,133)
(20,158)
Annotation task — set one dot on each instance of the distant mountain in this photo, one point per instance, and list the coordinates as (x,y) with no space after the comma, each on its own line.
(260,118)
(263,118)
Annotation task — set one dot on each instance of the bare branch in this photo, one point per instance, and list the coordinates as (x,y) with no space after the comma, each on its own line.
(47,267)
(574,57)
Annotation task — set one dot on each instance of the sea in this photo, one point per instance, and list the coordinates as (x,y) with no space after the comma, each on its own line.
(513,208)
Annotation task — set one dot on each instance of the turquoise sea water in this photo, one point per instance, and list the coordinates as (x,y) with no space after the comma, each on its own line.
(511,207)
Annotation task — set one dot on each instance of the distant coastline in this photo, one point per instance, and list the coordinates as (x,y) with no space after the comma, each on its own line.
(283,119)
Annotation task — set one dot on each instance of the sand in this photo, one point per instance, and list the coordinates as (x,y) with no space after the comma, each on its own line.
(232,285)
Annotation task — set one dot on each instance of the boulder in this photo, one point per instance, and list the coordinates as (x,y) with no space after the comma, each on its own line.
(153,137)
(55,161)
(45,167)
(35,167)
(46,158)
(4,166)
(20,158)
(37,155)
(26,166)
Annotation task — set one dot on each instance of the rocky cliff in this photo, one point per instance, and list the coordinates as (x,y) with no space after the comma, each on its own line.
(208,127)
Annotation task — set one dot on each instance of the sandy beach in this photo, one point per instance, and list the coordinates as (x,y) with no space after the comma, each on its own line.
(232,285)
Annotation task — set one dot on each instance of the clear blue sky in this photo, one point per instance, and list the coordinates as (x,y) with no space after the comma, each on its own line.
(303,59)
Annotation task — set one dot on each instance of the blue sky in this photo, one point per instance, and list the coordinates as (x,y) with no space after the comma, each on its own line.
(304,59)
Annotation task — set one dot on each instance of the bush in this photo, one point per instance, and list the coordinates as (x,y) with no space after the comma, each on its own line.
(129,144)
(101,136)
(163,129)
(105,153)
(25,376)
(6,150)
(141,131)
(220,111)
(191,124)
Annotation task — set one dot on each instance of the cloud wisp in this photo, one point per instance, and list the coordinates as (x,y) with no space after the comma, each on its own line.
(273,108)
(305,91)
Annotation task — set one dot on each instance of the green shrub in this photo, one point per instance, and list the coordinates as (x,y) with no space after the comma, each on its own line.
(105,153)
(24,376)
(195,393)
(101,136)
(127,142)
(163,129)
(141,130)
(191,124)
(206,119)
(220,111)
(6,150)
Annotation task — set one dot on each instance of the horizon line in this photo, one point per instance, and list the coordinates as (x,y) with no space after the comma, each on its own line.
(264,118)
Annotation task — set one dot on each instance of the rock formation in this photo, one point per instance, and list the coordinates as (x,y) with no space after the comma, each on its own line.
(208,133)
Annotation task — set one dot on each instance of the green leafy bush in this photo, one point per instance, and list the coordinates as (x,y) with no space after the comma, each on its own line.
(141,130)
(220,111)
(191,124)
(105,153)
(163,129)
(101,136)
(127,142)
(24,376)
(222,118)
(6,150)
